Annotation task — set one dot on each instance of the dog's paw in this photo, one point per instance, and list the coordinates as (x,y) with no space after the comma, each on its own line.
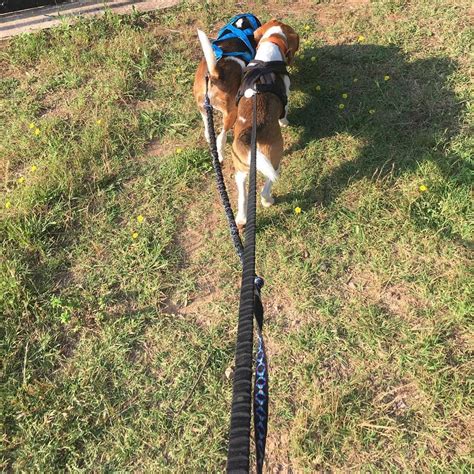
(267,201)
(240,221)
(283,122)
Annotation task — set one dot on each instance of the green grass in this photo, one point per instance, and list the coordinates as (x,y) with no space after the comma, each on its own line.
(117,331)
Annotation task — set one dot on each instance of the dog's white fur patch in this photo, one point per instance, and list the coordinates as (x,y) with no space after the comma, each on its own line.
(206,127)
(239,23)
(220,142)
(273,31)
(269,51)
(240,179)
(266,195)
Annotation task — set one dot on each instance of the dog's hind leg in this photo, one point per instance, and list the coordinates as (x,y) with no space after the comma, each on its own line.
(206,127)
(266,194)
(228,123)
(221,141)
(240,179)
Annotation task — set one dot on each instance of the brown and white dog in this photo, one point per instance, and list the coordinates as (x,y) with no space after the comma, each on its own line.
(276,42)
(225,76)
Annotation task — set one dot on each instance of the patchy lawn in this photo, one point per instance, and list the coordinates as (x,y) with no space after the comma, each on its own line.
(119,286)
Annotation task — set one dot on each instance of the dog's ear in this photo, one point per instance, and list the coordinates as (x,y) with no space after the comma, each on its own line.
(293,45)
(258,33)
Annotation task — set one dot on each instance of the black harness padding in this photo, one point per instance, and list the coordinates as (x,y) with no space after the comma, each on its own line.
(265,77)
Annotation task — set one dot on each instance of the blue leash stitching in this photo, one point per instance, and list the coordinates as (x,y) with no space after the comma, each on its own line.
(260,406)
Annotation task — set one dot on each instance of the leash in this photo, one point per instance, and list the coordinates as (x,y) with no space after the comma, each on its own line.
(238,456)
(234,231)
(270,76)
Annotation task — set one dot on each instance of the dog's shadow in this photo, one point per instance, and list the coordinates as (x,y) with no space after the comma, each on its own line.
(400,112)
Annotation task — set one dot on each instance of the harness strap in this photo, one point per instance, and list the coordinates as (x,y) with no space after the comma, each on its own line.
(265,77)
(230,31)
(278,40)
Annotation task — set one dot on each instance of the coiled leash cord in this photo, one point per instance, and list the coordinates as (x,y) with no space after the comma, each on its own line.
(238,456)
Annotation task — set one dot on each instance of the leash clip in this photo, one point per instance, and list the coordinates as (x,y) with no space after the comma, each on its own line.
(259,282)
(207,101)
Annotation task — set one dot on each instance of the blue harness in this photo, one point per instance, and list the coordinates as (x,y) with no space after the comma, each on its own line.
(230,31)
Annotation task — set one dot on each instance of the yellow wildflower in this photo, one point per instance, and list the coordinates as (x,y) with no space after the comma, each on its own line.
(179,150)
(341,106)
(345,96)
(297,210)
(386,78)
(140,219)
(20,180)
(318,88)
(135,235)
(8,204)
(98,121)
(37,131)
(306,27)
(361,38)
(423,188)
(31,125)
(33,168)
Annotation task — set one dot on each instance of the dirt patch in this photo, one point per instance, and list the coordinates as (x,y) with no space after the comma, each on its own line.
(280,308)
(278,456)
(398,400)
(58,104)
(158,148)
(398,299)
(334,370)
(329,14)
(198,226)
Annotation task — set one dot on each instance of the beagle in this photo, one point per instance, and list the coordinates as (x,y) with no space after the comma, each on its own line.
(223,62)
(276,48)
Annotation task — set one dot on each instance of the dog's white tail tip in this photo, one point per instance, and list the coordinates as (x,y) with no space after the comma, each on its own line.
(265,167)
(207,50)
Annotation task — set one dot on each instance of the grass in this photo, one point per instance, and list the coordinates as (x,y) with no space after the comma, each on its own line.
(118,330)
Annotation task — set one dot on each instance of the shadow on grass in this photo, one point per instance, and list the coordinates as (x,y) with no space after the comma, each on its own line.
(403,111)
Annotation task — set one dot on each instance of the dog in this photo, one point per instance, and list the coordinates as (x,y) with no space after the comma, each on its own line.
(276,43)
(223,62)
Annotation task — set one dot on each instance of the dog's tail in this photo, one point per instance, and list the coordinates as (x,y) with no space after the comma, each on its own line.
(208,52)
(265,167)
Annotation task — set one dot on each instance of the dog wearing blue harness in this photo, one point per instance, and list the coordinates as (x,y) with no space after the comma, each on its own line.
(220,71)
